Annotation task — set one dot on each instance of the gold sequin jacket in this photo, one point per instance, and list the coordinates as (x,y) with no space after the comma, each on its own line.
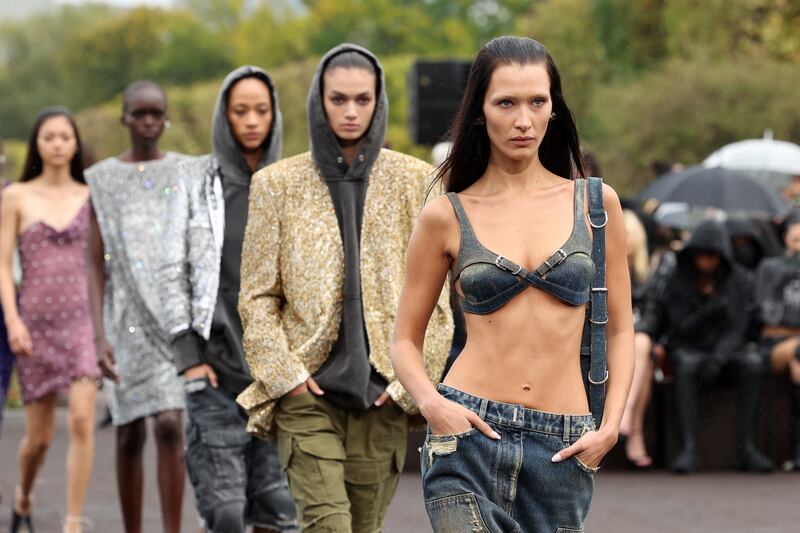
(293,277)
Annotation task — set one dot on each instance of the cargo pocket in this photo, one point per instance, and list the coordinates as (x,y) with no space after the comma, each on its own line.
(226,447)
(314,465)
(370,487)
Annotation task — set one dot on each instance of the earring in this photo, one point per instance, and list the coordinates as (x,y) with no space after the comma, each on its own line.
(552,117)
(480,121)
(167,124)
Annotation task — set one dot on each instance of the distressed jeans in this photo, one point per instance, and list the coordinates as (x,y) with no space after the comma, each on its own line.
(473,483)
(236,477)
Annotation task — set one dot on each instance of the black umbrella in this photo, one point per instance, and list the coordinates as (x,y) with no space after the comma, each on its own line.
(724,189)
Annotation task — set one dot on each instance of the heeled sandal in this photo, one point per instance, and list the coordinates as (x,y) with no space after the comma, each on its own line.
(81,521)
(19,520)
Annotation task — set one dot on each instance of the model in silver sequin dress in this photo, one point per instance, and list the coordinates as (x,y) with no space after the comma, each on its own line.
(131,202)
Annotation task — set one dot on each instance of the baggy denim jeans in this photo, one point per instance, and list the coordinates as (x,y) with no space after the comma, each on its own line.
(473,483)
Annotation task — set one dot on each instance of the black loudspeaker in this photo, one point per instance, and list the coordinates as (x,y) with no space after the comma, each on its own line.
(435,90)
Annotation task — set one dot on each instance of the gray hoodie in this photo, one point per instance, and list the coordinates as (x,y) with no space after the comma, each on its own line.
(227,166)
(346,376)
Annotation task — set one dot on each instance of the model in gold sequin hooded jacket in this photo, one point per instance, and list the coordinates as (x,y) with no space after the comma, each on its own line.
(293,260)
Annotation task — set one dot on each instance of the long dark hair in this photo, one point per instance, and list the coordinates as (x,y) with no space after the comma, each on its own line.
(33,161)
(469,156)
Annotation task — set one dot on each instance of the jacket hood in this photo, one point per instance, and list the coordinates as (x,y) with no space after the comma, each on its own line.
(709,236)
(324,146)
(227,150)
(760,231)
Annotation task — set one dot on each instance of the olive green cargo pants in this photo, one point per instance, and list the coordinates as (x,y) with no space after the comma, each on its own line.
(343,466)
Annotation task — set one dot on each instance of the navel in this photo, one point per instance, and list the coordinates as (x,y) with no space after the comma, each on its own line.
(526,388)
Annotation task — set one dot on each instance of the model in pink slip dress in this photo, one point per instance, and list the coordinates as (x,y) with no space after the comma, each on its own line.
(53,304)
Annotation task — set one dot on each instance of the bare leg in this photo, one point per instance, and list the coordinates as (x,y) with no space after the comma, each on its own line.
(632,423)
(794,372)
(171,470)
(33,449)
(130,444)
(80,453)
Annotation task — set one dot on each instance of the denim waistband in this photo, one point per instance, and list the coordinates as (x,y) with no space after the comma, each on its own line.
(519,416)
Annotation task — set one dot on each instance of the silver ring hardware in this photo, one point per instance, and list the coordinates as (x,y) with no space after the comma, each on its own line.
(589,375)
(605,213)
(599,289)
(599,322)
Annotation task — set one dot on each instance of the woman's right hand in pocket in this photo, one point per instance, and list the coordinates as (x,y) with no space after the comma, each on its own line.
(446,417)
(308,385)
(19,339)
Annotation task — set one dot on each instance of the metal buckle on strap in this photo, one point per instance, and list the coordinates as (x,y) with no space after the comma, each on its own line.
(561,256)
(591,223)
(499,263)
(599,289)
(589,375)
(547,266)
(599,322)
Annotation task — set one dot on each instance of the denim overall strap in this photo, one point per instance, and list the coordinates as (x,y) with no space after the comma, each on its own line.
(598,307)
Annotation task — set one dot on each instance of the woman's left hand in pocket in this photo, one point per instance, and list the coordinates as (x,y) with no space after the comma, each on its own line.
(589,449)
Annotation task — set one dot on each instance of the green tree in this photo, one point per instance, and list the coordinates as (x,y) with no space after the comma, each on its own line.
(720,28)
(168,47)
(686,109)
(31,76)
(190,51)
(269,38)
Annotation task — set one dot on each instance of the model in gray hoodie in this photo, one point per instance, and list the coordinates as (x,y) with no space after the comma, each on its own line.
(237,479)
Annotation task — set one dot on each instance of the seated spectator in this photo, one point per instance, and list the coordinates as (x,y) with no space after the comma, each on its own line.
(702,314)
(778,306)
(632,426)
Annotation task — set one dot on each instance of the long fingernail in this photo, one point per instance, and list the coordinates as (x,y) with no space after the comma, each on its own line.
(556,458)
(496,435)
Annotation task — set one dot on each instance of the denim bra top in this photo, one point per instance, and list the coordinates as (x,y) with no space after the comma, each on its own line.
(489,281)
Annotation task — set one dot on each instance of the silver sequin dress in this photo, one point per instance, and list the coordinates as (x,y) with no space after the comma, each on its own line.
(131,203)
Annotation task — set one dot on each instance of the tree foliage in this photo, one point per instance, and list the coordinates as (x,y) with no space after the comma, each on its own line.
(646,79)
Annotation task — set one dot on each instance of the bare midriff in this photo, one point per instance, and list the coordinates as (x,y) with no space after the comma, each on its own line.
(525,353)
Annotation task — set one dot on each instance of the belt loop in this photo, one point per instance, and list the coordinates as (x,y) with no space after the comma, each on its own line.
(567,426)
(482,410)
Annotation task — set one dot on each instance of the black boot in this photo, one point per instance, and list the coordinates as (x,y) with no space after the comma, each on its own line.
(796,426)
(748,458)
(686,402)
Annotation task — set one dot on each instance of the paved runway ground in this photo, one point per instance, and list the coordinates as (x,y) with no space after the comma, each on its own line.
(624,502)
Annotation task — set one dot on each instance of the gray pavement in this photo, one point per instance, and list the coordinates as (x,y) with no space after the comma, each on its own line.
(624,502)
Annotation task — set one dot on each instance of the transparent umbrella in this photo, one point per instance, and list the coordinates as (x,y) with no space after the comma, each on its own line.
(766,159)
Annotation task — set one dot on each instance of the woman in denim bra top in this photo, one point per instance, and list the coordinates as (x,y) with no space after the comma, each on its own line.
(512,445)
